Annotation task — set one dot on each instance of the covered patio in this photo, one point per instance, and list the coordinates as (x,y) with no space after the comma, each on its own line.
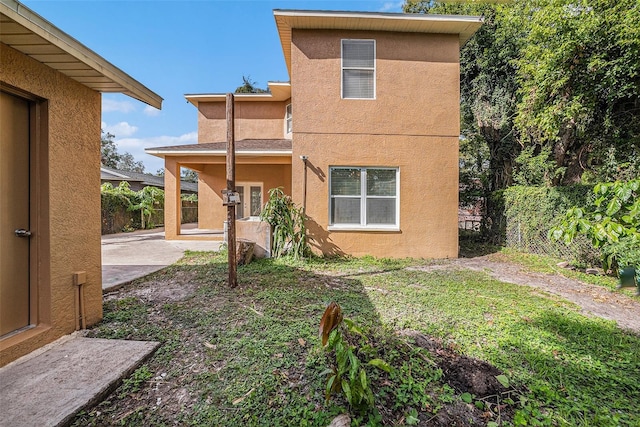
(261,164)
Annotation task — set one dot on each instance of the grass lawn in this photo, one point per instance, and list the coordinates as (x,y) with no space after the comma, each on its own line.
(251,355)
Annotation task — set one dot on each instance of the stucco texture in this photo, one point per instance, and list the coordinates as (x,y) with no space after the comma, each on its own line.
(412,124)
(211,212)
(65,203)
(253,120)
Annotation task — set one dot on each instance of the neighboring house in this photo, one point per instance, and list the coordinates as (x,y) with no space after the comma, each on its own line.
(50,105)
(137,181)
(367,128)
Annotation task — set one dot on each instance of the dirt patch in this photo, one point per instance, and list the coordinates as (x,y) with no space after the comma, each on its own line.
(593,300)
(465,375)
(171,289)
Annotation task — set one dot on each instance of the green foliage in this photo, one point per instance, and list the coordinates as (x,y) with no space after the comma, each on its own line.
(612,222)
(535,167)
(135,382)
(579,78)
(347,373)
(348,376)
(144,201)
(249,86)
(288,223)
(186,197)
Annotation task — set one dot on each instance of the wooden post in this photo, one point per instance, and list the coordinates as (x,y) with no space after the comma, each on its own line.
(231,186)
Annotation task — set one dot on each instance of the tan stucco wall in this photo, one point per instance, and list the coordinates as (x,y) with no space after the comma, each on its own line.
(211,212)
(253,120)
(428,193)
(412,124)
(68,219)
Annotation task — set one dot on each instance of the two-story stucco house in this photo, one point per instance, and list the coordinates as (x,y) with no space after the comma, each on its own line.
(367,128)
(50,117)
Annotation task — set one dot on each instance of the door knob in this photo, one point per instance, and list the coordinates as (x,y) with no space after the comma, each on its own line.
(21,232)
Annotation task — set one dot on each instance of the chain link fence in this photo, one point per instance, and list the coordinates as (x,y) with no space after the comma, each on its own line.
(536,241)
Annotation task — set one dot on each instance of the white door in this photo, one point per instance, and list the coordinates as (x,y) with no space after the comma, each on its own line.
(250,199)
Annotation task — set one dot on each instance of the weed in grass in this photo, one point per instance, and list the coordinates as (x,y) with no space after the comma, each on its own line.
(135,381)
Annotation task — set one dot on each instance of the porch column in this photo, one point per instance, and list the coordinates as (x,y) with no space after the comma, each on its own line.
(172,202)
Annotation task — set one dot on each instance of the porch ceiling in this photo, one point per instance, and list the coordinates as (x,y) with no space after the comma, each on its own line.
(26,31)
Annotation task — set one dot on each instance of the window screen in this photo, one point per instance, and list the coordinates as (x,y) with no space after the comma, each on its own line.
(358,69)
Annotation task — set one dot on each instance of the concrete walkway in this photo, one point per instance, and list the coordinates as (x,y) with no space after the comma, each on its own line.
(129,256)
(49,386)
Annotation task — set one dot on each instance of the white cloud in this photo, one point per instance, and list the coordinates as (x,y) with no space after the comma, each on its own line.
(151,111)
(159,141)
(111,105)
(122,129)
(392,6)
(136,147)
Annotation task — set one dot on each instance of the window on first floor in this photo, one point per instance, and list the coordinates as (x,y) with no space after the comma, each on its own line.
(362,197)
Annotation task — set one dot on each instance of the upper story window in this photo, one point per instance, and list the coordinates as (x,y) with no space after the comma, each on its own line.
(358,69)
(287,119)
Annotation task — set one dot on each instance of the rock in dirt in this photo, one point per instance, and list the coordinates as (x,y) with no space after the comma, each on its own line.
(341,421)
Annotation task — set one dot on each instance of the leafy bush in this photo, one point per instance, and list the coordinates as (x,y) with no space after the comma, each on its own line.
(122,197)
(287,220)
(612,222)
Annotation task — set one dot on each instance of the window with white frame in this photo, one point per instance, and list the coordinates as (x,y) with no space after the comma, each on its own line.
(287,119)
(364,197)
(358,69)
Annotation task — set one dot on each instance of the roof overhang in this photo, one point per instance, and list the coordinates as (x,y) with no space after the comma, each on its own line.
(243,148)
(27,32)
(286,20)
(278,92)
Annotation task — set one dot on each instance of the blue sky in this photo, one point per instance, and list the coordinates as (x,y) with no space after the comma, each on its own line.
(179,47)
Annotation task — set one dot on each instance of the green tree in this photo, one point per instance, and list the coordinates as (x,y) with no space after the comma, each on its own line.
(188,175)
(109,155)
(580,82)
(249,86)
(112,158)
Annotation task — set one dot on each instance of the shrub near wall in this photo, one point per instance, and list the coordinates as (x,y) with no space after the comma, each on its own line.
(530,212)
(119,213)
(116,216)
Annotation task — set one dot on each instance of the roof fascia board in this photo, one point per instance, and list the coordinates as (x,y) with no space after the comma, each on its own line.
(114,173)
(45,29)
(162,153)
(275,94)
(379,15)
